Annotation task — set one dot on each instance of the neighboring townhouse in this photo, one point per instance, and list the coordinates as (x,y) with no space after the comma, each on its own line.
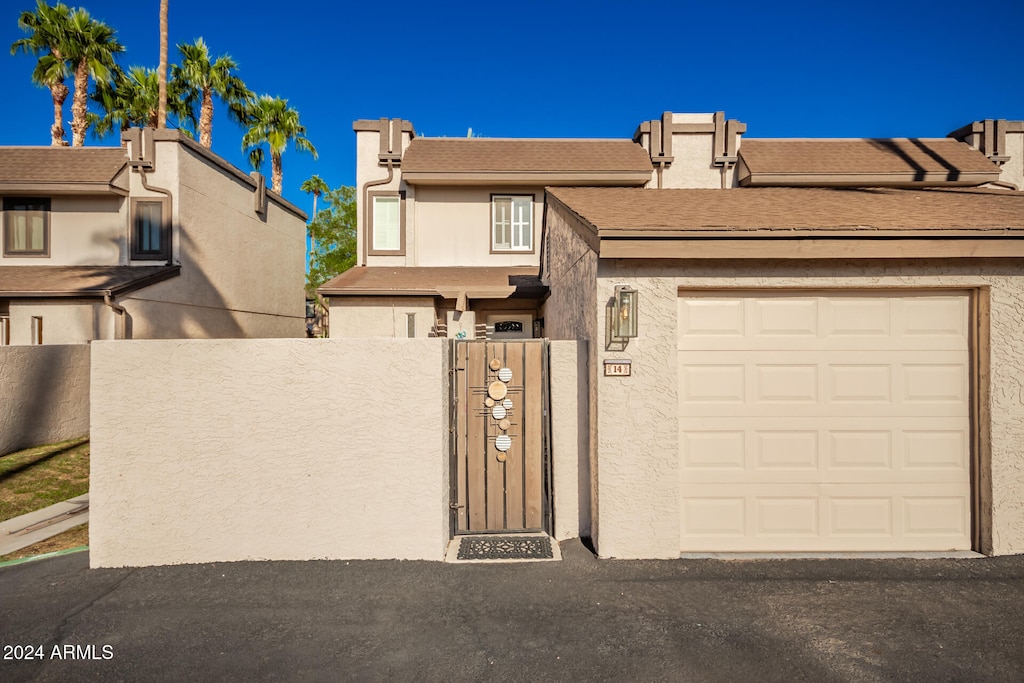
(158,238)
(793,344)
(450,229)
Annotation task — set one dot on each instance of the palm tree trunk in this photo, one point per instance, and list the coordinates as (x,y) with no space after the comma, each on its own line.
(206,119)
(59,93)
(276,174)
(162,70)
(312,240)
(79,103)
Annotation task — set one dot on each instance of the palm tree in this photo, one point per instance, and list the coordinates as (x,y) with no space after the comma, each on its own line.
(161,117)
(209,79)
(272,121)
(47,27)
(315,186)
(132,98)
(91,46)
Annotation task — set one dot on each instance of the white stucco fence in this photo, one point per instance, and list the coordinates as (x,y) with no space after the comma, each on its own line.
(268,449)
(276,449)
(44,395)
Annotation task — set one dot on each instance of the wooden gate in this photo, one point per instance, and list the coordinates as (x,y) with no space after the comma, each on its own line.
(500,429)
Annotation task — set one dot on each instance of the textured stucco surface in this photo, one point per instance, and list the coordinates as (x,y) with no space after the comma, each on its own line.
(638,447)
(63,322)
(44,395)
(570,271)
(567,367)
(222,450)
(380,316)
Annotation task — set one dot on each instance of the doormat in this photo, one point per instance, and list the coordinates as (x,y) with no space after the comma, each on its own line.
(505,548)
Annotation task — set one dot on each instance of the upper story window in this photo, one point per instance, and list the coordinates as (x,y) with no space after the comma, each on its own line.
(511,223)
(387,224)
(26,226)
(151,233)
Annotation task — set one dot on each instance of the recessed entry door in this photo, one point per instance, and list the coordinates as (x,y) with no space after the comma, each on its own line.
(500,399)
(824,421)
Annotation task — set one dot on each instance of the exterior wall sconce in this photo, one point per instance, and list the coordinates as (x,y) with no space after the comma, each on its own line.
(624,313)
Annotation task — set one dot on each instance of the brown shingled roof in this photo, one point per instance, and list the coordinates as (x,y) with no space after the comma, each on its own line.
(63,281)
(641,212)
(863,161)
(23,168)
(476,282)
(549,160)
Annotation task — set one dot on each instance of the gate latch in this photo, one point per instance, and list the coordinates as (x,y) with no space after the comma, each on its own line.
(455,506)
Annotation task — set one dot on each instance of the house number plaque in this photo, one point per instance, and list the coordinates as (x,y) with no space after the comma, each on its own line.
(618,368)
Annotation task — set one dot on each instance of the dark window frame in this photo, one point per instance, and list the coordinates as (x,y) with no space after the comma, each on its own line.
(11,205)
(164,253)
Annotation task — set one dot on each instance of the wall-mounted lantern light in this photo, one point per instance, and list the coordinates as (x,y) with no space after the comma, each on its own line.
(624,312)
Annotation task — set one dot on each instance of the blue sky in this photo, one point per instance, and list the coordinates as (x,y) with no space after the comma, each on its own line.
(572,69)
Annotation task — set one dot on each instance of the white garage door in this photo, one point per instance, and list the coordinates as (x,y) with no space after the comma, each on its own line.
(824,421)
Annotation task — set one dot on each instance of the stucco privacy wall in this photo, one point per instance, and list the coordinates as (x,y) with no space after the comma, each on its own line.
(637,428)
(222,450)
(570,271)
(567,369)
(44,395)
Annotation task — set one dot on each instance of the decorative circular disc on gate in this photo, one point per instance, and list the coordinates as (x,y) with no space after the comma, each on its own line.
(503,425)
(497,390)
(494,364)
(489,402)
(498,412)
(501,457)
(507,404)
(505,375)
(503,443)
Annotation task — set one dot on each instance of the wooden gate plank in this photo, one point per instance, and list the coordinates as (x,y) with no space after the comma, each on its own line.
(461,471)
(514,469)
(531,428)
(495,469)
(476,437)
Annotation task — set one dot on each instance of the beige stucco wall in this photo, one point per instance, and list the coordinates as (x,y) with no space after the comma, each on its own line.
(453,227)
(241,274)
(637,426)
(64,321)
(570,271)
(223,450)
(353,317)
(567,372)
(44,395)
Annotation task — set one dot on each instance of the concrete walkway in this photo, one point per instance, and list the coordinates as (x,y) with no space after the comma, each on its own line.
(581,619)
(21,532)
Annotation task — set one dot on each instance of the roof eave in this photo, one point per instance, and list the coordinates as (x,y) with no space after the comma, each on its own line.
(926,179)
(528,178)
(32,189)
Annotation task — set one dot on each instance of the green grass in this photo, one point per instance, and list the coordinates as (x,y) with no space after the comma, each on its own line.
(37,477)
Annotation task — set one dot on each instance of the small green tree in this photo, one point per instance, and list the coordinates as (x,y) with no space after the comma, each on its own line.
(333,230)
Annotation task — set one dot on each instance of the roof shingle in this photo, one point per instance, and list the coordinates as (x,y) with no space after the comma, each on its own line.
(640,211)
(464,155)
(50,281)
(904,159)
(60,164)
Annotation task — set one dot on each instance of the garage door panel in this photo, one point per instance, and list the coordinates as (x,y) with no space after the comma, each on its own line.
(886,449)
(817,518)
(820,421)
(834,321)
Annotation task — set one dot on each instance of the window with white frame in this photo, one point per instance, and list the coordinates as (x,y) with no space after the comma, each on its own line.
(511,223)
(386,224)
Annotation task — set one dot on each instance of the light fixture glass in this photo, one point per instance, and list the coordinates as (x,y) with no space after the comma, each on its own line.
(624,313)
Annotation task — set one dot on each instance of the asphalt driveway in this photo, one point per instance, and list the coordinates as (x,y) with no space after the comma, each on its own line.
(579,619)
